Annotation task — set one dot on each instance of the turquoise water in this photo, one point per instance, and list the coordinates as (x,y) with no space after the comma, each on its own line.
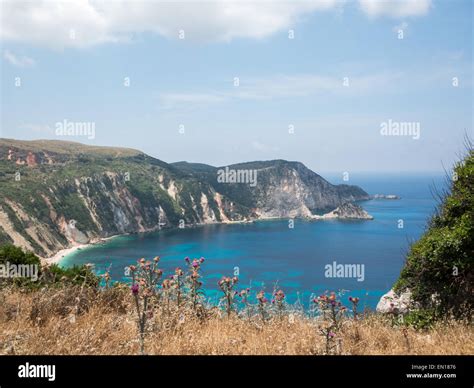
(269,252)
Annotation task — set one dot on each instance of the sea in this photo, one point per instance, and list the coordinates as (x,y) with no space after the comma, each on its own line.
(299,256)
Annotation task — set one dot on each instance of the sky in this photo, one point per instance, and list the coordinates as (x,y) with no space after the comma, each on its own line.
(226,82)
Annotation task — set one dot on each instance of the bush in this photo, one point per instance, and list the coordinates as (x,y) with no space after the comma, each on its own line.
(15,255)
(420,319)
(52,275)
(440,266)
(76,275)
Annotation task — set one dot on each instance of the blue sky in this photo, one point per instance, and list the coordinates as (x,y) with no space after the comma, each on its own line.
(282,82)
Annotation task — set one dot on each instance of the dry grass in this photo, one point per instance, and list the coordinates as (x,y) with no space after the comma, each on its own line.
(105,323)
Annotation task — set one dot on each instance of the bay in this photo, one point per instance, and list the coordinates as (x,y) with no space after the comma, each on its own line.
(270,254)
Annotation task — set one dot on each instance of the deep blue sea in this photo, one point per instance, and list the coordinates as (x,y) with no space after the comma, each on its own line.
(269,252)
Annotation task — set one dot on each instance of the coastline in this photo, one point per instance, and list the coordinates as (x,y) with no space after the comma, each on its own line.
(58,256)
(61,254)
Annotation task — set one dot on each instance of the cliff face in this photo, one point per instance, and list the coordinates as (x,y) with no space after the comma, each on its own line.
(349,211)
(56,193)
(282,188)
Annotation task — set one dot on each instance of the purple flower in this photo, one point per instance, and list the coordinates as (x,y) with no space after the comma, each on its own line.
(135,289)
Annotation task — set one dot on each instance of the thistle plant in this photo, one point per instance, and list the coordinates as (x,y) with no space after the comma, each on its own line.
(145,278)
(279,302)
(106,277)
(331,308)
(355,302)
(167,286)
(226,284)
(244,295)
(193,280)
(332,313)
(177,284)
(262,302)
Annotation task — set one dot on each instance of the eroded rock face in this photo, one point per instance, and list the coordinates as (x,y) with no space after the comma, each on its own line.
(71,193)
(395,303)
(282,189)
(349,211)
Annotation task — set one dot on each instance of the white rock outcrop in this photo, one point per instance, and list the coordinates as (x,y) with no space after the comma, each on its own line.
(393,302)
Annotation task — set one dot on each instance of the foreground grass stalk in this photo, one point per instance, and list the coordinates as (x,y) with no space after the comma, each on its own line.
(226,284)
(145,278)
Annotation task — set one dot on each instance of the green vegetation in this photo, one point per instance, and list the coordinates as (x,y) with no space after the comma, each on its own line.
(4,237)
(52,275)
(72,205)
(440,266)
(45,185)
(15,255)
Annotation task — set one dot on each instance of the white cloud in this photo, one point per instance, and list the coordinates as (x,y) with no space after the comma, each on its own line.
(80,23)
(301,85)
(37,128)
(170,100)
(402,26)
(323,86)
(401,30)
(395,8)
(284,86)
(262,147)
(18,61)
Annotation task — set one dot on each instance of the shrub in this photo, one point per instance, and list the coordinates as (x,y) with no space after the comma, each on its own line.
(439,269)
(52,275)
(76,275)
(16,255)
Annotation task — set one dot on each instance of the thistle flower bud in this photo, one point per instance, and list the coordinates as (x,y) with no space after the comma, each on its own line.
(135,289)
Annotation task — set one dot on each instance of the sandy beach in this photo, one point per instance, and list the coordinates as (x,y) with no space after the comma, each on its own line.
(55,259)
(61,254)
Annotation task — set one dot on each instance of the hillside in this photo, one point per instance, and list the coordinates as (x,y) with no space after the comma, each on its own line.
(56,193)
(284,189)
(439,270)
